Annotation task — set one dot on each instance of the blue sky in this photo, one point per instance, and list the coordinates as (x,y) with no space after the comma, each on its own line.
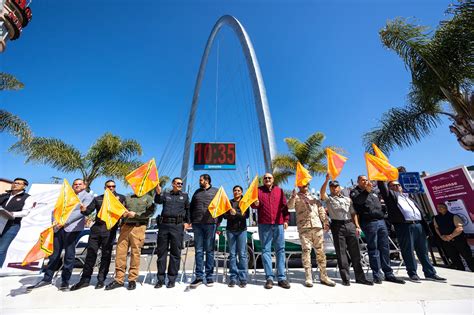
(92,67)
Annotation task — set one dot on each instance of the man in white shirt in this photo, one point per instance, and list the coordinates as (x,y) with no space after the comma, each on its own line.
(18,203)
(408,221)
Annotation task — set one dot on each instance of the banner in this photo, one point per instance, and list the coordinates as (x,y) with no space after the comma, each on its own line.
(454,188)
(45,196)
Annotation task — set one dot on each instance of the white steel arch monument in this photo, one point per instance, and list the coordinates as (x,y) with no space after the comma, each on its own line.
(258,88)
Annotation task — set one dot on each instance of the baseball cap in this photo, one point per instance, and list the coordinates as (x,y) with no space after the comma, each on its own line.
(334,183)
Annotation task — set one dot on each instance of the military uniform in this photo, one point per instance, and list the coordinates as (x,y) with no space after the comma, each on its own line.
(310,219)
(132,235)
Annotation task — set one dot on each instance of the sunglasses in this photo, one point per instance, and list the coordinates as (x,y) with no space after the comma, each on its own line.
(267,177)
(179,184)
(111,186)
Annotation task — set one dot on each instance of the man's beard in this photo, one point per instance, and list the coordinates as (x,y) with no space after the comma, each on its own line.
(202,185)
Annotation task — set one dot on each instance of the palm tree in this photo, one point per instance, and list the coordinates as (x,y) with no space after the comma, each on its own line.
(109,156)
(442,73)
(310,154)
(9,82)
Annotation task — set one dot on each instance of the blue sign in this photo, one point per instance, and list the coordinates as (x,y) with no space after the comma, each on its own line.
(411,182)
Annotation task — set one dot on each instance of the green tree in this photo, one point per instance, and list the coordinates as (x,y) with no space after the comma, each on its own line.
(442,71)
(109,156)
(9,122)
(309,153)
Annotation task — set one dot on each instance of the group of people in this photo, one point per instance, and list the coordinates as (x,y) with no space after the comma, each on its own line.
(346,217)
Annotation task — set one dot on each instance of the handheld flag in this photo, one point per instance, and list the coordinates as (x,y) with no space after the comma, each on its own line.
(251,195)
(379,169)
(302,175)
(66,202)
(112,209)
(144,178)
(43,247)
(379,153)
(220,204)
(335,163)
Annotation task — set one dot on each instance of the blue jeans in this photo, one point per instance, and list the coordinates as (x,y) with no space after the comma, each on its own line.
(273,234)
(237,247)
(376,235)
(67,241)
(204,241)
(9,234)
(412,237)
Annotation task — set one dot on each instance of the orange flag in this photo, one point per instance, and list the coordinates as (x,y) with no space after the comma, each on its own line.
(66,202)
(43,247)
(302,175)
(144,178)
(379,169)
(112,209)
(335,163)
(251,195)
(379,153)
(220,204)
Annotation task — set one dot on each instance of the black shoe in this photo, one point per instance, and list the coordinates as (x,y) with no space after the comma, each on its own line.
(243,284)
(209,283)
(99,285)
(395,280)
(365,282)
(415,278)
(284,284)
(40,284)
(158,285)
(268,284)
(346,283)
(195,283)
(64,286)
(436,278)
(81,284)
(231,283)
(170,284)
(378,281)
(132,285)
(112,285)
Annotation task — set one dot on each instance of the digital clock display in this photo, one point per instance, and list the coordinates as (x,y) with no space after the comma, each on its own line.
(214,156)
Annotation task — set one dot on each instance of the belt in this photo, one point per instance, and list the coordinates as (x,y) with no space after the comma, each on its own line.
(171,220)
(412,222)
(134,224)
(341,221)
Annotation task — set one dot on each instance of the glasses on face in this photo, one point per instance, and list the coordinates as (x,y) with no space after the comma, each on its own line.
(111,186)
(267,177)
(395,185)
(179,184)
(18,183)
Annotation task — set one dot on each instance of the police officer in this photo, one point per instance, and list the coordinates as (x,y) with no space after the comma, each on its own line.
(311,220)
(173,220)
(369,209)
(19,204)
(101,238)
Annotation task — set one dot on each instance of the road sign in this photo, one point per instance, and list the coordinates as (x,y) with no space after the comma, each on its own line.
(411,182)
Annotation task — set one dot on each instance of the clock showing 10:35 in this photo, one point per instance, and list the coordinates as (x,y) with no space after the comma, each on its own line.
(214,156)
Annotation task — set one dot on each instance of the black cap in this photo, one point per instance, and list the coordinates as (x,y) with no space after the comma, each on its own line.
(334,183)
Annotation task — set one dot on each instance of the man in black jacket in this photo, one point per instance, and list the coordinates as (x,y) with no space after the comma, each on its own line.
(371,217)
(408,221)
(101,238)
(173,220)
(204,228)
(19,204)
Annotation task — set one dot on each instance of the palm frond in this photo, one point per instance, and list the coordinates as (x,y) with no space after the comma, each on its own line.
(9,82)
(281,176)
(284,161)
(15,126)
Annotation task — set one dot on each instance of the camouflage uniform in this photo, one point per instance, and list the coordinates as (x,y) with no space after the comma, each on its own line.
(310,219)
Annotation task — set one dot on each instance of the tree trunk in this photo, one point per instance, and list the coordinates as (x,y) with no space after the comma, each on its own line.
(463,128)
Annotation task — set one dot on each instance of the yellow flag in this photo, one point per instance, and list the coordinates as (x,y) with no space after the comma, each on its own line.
(43,248)
(144,178)
(379,169)
(66,202)
(112,209)
(220,204)
(335,163)
(302,175)
(251,195)
(379,153)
